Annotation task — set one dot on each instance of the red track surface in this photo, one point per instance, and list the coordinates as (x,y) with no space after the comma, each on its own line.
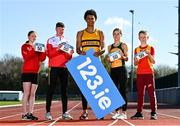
(167,115)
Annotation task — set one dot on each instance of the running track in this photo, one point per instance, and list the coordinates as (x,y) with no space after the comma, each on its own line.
(167,116)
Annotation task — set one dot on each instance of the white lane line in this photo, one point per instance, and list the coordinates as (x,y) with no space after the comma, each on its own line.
(18,114)
(56,119)
(48,120)
(164,114)
(21,113)
(39,123)
(10,116)
(112,122)
(8,106)
(61,116)
(128,122)
(115,121)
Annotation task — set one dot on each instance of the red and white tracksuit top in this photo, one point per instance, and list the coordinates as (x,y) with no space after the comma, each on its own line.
(57,58)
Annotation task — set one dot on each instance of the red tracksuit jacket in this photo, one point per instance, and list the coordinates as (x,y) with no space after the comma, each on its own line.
(31,58)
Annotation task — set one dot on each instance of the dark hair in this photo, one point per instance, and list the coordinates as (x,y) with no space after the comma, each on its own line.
(60,24)
(30,32)
(90,12)
(143,32)
(118,29)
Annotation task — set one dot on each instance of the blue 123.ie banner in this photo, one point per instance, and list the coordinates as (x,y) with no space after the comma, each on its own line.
(95,84)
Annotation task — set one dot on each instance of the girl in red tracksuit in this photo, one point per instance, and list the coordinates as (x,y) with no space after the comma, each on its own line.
(30,69)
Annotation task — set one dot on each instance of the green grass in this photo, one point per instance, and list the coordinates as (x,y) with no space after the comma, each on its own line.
(4,103)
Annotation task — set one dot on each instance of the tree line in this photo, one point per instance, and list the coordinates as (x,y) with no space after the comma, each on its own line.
(10,76)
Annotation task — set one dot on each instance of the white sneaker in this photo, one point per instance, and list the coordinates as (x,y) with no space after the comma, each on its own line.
(48,116)
(67,116)
(115,115)
(122,116)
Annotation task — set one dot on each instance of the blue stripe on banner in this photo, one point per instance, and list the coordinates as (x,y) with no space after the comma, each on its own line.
(95,84)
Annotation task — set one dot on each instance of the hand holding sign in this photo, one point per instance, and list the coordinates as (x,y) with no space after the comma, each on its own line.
(141,55)
(95,84)
(114,56)
(66,48)
(39,47)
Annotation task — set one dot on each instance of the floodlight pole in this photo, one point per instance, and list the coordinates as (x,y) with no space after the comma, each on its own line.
(132,74)
(178,45)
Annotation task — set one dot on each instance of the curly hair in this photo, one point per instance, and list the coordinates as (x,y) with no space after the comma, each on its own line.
(90,12)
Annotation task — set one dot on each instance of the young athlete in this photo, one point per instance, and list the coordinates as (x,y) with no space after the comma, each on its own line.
(90,37)
(30,69)
(145,75)
(58,70)
(118,70)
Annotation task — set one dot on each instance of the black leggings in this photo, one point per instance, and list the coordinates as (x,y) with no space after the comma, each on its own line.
(119,77)
(84,102)
(62,74)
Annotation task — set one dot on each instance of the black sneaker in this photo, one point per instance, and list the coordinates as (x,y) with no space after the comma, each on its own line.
(25,117)
(101,118)
(84,116)
(32,117)
(153,116)
(138,115)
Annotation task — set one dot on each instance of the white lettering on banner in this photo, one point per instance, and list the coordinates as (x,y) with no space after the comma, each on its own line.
(84,74)
(103,101)
(88,61)
(96,83)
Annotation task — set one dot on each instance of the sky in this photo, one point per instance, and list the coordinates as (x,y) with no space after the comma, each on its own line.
(158,17)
